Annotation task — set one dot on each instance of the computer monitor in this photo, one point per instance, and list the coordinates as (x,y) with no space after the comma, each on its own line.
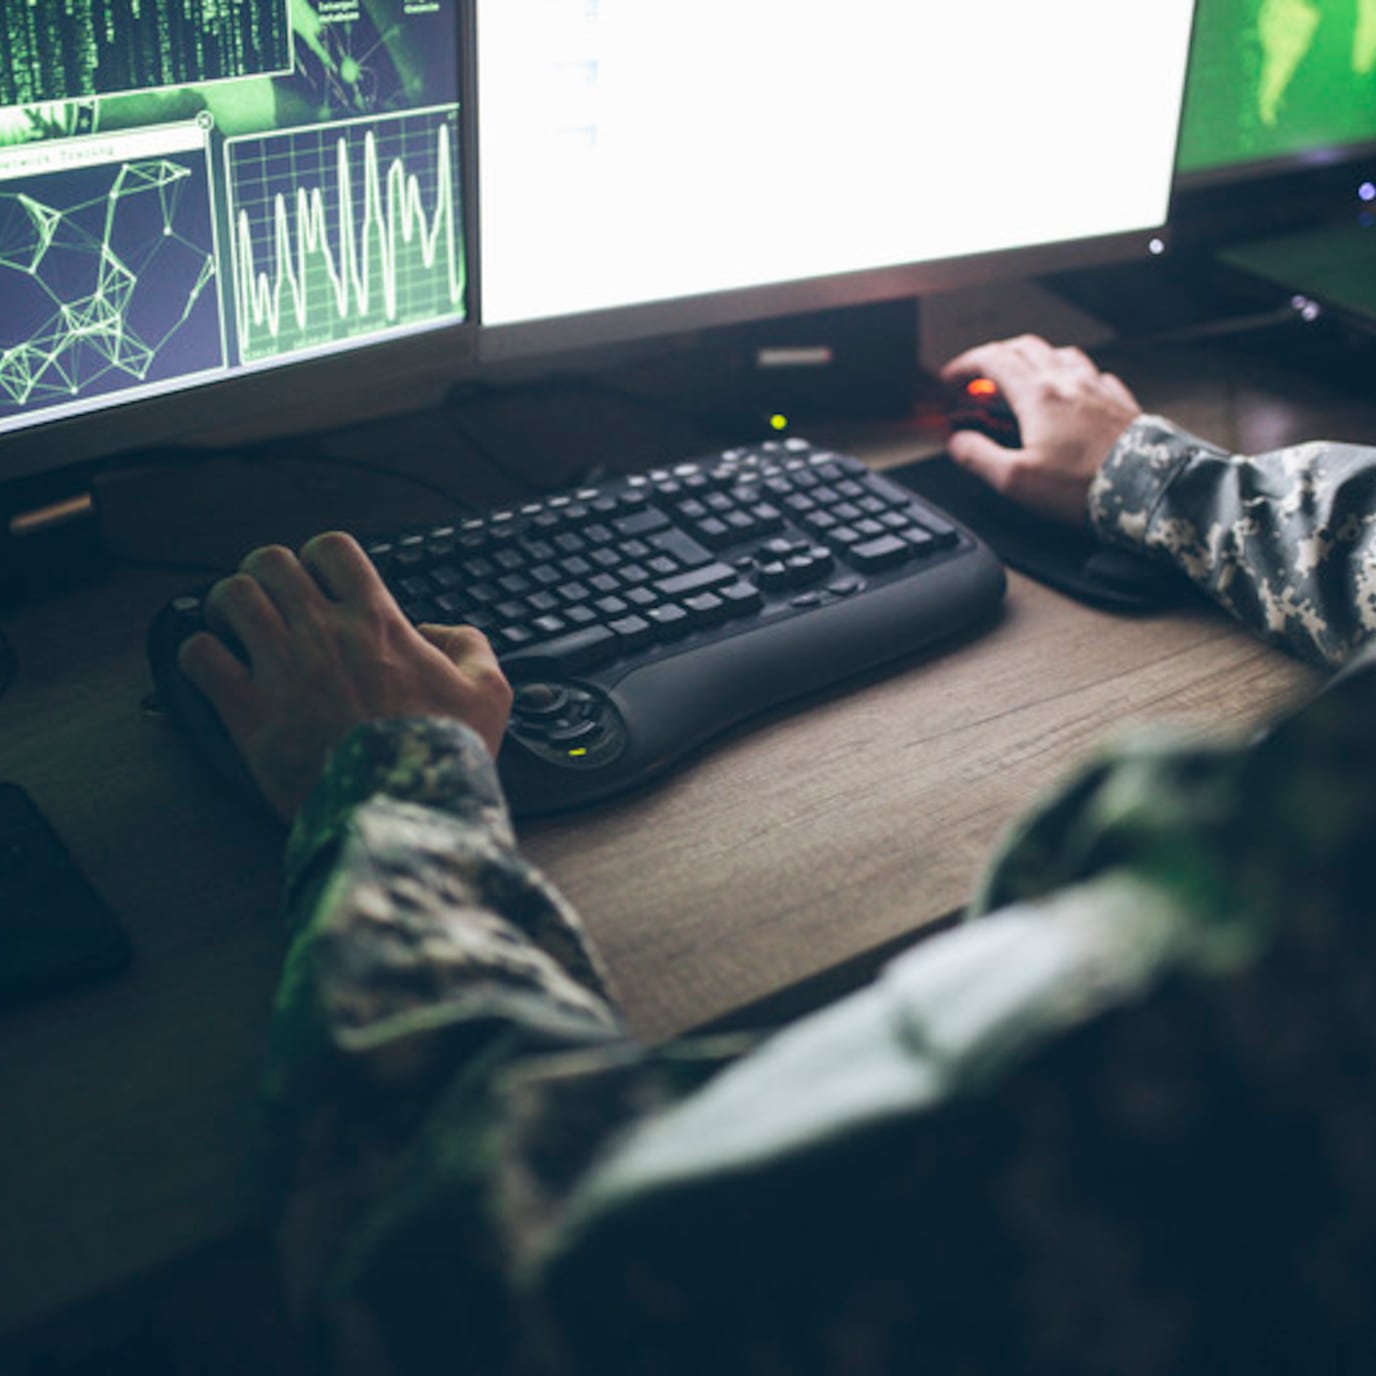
(1278,86)
(225,214)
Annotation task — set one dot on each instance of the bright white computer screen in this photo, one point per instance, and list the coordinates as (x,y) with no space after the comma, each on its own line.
(642,150)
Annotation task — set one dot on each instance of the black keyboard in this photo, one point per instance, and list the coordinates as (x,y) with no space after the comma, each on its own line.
(642,616)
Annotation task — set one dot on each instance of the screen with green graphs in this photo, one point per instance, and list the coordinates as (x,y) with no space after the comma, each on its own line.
(1273,80)
(190,188)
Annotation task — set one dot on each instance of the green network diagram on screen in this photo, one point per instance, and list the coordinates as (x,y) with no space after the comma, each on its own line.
(1272,79)
(191,187)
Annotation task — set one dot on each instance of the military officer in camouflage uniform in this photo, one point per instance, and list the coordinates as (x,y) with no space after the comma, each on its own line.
(1124,1121)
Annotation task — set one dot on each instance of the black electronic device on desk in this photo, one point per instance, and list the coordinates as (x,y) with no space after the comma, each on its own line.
(56,932)
(640,617)
(1064,557)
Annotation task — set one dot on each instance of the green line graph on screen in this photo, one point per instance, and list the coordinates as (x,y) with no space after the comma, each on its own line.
(345,230)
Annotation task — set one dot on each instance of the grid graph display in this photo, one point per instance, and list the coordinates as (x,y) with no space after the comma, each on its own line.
(81,48)
(343,231)
(107,274)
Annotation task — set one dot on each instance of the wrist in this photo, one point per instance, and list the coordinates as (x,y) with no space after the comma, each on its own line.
(1126,491)
(435,762)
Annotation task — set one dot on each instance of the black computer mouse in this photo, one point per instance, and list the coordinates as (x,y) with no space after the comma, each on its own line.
(188,707)
(977,404)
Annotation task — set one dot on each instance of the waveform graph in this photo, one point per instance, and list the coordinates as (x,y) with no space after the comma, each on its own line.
(107,273)
(344,231)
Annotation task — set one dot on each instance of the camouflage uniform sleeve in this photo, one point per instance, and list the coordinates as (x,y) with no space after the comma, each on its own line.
(1285,541)
(422,948)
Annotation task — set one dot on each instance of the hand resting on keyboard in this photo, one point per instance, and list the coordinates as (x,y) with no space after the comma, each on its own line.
(635,619)
(325,649)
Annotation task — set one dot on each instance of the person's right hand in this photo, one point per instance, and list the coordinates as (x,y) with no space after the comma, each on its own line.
(325,648)
(1070,415)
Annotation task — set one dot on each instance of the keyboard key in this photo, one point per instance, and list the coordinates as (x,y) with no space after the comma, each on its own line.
(696,580)
(670,620)
(706,609)
(942,531)
(632,631)
(641,523)
(714,534)
(922,541)
(774,574)
(883,553)
(741,598)
(678,545)
(767,518)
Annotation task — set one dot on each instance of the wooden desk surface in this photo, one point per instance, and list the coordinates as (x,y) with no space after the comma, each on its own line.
(826,832)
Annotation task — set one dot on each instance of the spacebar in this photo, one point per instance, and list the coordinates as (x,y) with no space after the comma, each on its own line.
(578,650)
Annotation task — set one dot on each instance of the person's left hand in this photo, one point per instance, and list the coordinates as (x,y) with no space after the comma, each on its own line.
(325,648)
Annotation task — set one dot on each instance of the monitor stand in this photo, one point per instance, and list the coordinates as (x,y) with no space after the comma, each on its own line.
(1334,267)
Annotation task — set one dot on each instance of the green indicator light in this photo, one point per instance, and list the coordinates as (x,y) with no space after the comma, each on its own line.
(574,754)
(778,421)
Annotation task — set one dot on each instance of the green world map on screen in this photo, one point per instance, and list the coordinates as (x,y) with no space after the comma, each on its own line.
(1273,78)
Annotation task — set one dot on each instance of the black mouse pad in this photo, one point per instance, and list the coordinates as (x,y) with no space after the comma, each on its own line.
(1071,561)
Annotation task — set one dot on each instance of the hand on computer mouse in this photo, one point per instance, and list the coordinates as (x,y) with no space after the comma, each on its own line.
(1069,413)
(326,648)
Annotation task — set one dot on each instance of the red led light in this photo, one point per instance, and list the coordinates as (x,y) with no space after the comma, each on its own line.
(981,387)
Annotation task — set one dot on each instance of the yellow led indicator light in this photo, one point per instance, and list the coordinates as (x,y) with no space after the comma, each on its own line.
(574,754)
(778,421)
